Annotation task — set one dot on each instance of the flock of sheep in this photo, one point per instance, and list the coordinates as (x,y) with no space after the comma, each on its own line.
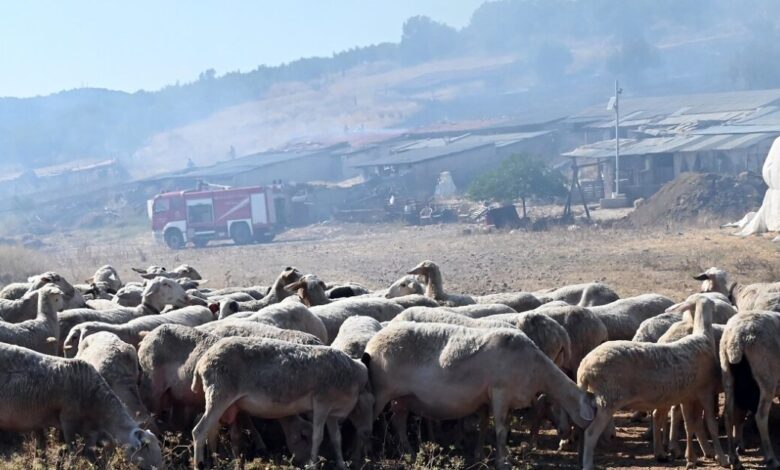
(278,365)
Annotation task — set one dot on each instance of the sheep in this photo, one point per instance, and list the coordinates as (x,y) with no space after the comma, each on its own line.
(290,316)
(276,294)
(482,310)
(414,300)
(354,334)
(157,294)
(346,290)
(73,298)
(545,332)
(585,330)
(40,334)
(653,328)
(623,317)
(332,314)
(70,394)
(21,309)
(449,372)
(108,277)
(257,292)
(117,363)
(749,352)
(14,290)
(184,270)
(574,294)
(434,285)
(758,296)
(274,379)
(132,331)
(407,285)
(129,296)
(646,376)
(518,301)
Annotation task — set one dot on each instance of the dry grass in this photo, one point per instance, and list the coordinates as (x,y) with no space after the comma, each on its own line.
(632,261)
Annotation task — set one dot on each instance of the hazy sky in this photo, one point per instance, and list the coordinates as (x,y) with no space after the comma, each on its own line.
(47,46)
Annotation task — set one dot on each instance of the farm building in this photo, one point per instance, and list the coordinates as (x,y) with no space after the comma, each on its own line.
(75,176)
(661,137)
(419,162)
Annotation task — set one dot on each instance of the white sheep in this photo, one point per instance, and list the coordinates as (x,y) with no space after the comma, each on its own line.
(275,379)
(745,297)
(646,376)
(133,331)
(575,294)
(276,294)
(623,317)
(289,316)
(434,285)
(333,313)
(157,294)
(448,372)
(750,364)
(21,309)
(73,298)
(41,333)
(70,394)
(117,363)
(354,334)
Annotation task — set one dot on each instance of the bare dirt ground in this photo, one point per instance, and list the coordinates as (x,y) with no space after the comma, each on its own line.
(631,261)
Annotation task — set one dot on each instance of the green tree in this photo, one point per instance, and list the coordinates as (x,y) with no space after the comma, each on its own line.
(518,177)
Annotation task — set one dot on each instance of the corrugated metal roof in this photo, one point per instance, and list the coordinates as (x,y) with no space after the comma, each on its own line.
(428,149)
(705,103)
(674,144)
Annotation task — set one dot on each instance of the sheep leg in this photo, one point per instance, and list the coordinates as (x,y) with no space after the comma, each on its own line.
(592,433)
(658,424)
(319,417)
(693,427)
(208,427)
(399,420)
(484,421)
(708,403)
(674,432)
(738,430)
(500,406)
(334,432)
(538,413)
(762,423)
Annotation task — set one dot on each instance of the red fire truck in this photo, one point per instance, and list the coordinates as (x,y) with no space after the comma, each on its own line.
(244,215)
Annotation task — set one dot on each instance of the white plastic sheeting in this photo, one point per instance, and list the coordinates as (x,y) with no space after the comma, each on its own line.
(445,188)
(767,219)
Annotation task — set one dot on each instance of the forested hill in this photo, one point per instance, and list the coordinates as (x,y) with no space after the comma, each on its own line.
(519,56)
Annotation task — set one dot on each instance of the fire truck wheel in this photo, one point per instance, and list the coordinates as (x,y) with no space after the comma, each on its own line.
(174,239)
(241,234)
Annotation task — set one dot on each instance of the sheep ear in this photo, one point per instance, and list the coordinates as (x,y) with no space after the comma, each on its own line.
(295,285)
(701,277)
(148,275)
(214,307)
(139,270)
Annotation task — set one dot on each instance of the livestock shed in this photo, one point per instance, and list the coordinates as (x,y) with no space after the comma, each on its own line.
(263,168)
(419,162)
(76,177)
(661,137)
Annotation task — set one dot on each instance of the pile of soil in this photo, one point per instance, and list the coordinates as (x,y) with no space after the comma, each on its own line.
(701,198)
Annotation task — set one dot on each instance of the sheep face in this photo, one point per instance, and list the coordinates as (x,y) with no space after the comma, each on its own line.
(163,291)
(713,280)
(407,285)
(54,297)
(423,269)
(151,272)
(310,289)
(185,270)
(142,448)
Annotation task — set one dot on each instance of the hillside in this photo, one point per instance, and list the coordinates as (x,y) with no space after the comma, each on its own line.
(528,59)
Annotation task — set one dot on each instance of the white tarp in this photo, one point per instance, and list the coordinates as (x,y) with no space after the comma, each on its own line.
(767,219)
(445,188)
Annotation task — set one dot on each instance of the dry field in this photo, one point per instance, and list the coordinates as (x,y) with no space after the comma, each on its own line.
(632,261)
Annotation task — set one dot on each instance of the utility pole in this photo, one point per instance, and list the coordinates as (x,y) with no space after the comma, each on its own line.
(617,139)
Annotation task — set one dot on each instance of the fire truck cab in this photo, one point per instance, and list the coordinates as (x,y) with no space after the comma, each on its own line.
(244,215)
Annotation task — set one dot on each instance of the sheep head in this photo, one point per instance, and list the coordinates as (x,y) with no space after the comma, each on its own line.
(714,280)
(162,291)
(310,289)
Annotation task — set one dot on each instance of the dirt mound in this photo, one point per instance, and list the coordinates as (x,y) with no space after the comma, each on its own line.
(701,197)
